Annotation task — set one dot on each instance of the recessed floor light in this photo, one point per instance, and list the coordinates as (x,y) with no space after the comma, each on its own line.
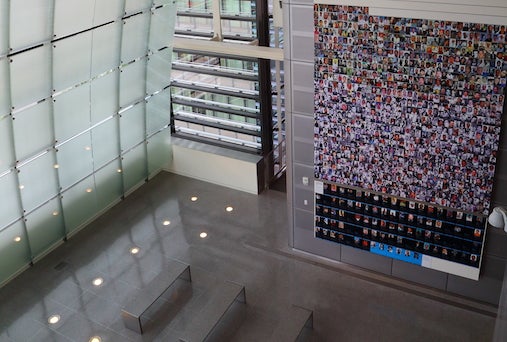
(98,281)
(194,198)
(53,319)
(203,235)
(17,239)
(229,209)
(134,250)
(166,222)
(95,339)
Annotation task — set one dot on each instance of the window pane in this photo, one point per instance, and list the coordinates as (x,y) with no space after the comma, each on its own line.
(38,179)
(105,143)
(132,6)
(162,27)
(134,167)
(71,61)
(79,204)
(72,112)
(132,83)
(6,156)
(4,29)
(14,254)
(73,16)
(30,22)
(33,131)
(106,48)
(159,71)
(30,72)
(9,210)
(106,11)
(159,147)
(132,126)
(109,185)
(157,111)
(135,37)
(45,227)
(104,101)
(75,160)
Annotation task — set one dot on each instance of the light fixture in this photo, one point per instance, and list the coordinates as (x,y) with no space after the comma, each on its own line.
(98,281)
(134,250)
(166,222)
(229,209)
(88,148)
(95,339)
(118,170)
(55,213)
(17,239)
(203,235)
(53,319)
(193,198)
(498,218)
(56,166)
(21,187)
(89,190)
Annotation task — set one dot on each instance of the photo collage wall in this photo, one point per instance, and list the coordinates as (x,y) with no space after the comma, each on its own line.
(410,109)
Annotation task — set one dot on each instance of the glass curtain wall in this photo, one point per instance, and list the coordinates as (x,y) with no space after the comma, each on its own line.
(84,98)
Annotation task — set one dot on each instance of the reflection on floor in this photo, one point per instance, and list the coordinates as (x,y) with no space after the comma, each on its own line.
(247,245)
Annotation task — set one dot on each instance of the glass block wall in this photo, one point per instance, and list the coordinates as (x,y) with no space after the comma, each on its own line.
(84,99)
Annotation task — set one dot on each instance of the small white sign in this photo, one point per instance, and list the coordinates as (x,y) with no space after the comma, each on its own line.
(319,187)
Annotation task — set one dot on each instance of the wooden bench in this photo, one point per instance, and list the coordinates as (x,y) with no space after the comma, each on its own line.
(132,312)
(211,314)
(293,325)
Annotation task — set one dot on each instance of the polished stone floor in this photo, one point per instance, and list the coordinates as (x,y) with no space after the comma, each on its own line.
(248,246)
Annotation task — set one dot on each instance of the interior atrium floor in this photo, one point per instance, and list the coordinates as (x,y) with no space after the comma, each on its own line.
(247,246)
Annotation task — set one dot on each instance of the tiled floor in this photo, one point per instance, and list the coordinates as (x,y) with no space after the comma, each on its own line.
(246,246)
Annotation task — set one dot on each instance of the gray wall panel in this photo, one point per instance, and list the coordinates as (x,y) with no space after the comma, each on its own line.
(366,260)
(301,18)
(418,274)
(302,75)
(303,152)
(303,101)
(302,48)
(496,240)
(305,241)
(301,171)
(300,196)
(302,127)
(487,289)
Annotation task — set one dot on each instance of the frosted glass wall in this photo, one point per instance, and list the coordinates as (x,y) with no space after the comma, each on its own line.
(84,114)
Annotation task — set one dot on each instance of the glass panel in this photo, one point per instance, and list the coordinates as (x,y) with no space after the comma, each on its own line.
(159,151)
(105,143)
(6,155)
(132,6)
(4,28)
(30,72)
(106,11)
(106,48)
(45,227)
(9,210)
(104,102)
(71,61)
(159,71)
(5,99)
(75,160)
(79,204)
(73,16)
(135,37)
(38,181)
(30,22)
(14,254)
(109,184)
(134,167)
(132,126)
(162,27)
(72,112)
(132,83)
(33,131)
(157,111)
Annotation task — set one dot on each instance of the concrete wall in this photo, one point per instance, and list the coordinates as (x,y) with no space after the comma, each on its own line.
(298,26)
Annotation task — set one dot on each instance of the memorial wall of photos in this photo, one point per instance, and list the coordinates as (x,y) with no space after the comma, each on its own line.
(409,109)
